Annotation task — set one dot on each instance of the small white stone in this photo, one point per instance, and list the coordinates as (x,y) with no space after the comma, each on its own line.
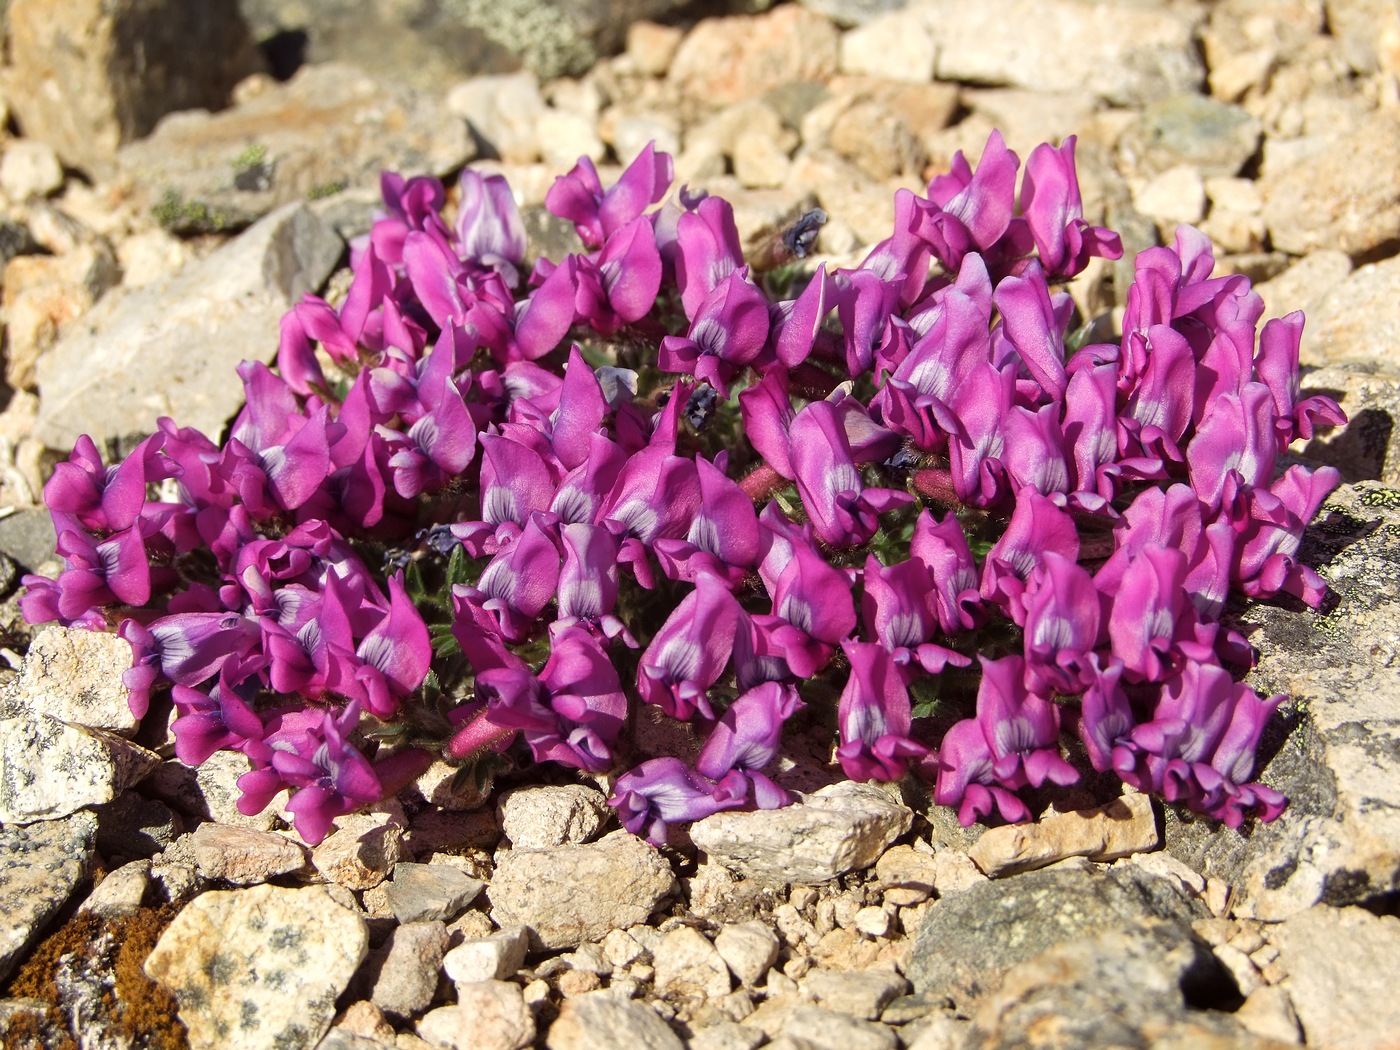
(30,168)
(748,948)
(873,922)
(1176,196)
(689,967)
(493,958)
(488,1015)
(895,46)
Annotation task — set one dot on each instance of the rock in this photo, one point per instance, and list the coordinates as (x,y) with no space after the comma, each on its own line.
(1333,749)
(403,974)
(15,239)
(242,856)
(1341,196)
(724,60)
(74,676)
(504,113)
(1367,447)
(853,12)
(42,295)
(822,1029)
(1369,33)
(329,128)
(1358,320)
(132,826)
(1175,197)
(602,1021)
(877,141)
(565,137)
(210,792)
(1119,828)
(541,817)
(1303,286)
(894,46)
(748,949)
(430,891)
(906,875)
(1144,53)
(49,769)
(118,371)
(121,893)
(1337,961)
(259,967)
(493,958)
(488,1015)
(1268,1012)
(1028,118)
(841,828)
(726,1035)
(1127,987)
(90,75)
(40,866)
(874,921)
(689,967)
(860,993)
(1236,220)
(1215,138)
(361,852)
(651,47)
(570,894)
(30,168)
(969,941)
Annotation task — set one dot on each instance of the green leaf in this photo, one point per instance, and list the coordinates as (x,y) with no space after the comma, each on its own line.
(458,567)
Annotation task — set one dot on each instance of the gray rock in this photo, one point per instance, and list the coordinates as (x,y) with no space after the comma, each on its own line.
(403,973)
(260,967)
(1338,961)
(488,1015)
(540,817)
(430,891)
(1341,196)
(862,994)
(243,856)
(603,1021)
(128,362)
(570,894)
(967,942)
(329,128)
(88,75)
(1143,53)
(841,828)
(1367,447)
(131,827)
(40,866)
(361,852)
(74,676)
(1215,138)
(49,769)
(1334,749)
(748,949)
(493,958)
(28,537)
(826,1030)
(121,893)
(1358,320)
(689,967)
(209,792)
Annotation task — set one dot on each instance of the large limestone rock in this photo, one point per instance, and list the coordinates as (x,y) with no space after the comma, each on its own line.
(49,769)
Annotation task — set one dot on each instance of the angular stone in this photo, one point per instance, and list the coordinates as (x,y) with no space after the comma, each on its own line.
(906,875)
(430,891)
(74,676)
(361,852)
(49,769)
(748,949)
(841,828)
(724,60)
(42,295)
(1116,829)
(858,993)
(967,942)
(689,967)
(129,361)
(86,76)
(1214,138)
(121,893)
(1358,320)
(541,817)
(826,1030)
(571,894)
(243,856)
(488,1015)
(329,128)
(493,958)
(894,46)
(133,826)
(403,974)
(260,967)
(40,866)
(30,168)
(603,1021)
(504,113)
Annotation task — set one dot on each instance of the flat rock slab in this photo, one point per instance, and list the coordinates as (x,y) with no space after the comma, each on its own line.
(260,968)
(243,856)
(49,769)
(1335,749)
(968,941)
(169,348)
(604,1021)
(74,676)
(40,866)
(430,891)
(1114,830)
(329,128)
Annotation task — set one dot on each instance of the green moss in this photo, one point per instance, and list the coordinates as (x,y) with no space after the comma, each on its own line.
(178,215)
(326,189)
(251,157)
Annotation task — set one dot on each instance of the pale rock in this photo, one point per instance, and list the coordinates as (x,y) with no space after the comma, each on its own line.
(749,949)
(825,1030)
(403,973)
(574,893)
(243,856)
(121,893)
(906,875)
(689,967)
(845,192)
(1358,320)
(1117,829)
(504,112)
(488,1015)
(1028,118)
(1235,222)
(602,1021)
(894,46)
(628,129)
(1241,969)
(1368,444)
(469,926)
(1165,866)
(40,867)
(1302,287)
(841,828)
(30,168)
(151,255)
(565,136)
(1369,33)
(542,817)
(340,1039)
(1174,197)
(793,928)
(876,140)
(49,769)
(1144,52)
(493,958)
(954,872)
(622,949)
(759,161)
(1339,962)
(430,891)
(724,60)
(74,676)
(1268,1013)
(1234,74)
(258,967)
(588,958)
(42,295)
(441,786)
(118,371)
(574,983)
(651,47)
(862,994)
(940,1032)
(726,1035)
(361,852)
(874,922)
(1213,137)
(362,1018)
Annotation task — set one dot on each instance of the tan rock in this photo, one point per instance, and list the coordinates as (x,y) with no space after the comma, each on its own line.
(42,294)
(1122,827)
(244,856)
(724,60)
(361,852)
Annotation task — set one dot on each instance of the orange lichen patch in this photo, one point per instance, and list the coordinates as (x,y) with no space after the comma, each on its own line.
(139,1009)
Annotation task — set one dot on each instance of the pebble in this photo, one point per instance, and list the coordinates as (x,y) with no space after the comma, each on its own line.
(874,922)
(726,1035)
(49,769)
(827,1030)
(30,168)
(651,47)
(907,876)
(894,46)
(403,973)
(493,958)
(603,1021)
(121,893)
(863,994)
(504,113)
(361,852)
(488,1015)
(243,856)
(430,891)
(541,817)
(688,966)
(40,867)
(749,949)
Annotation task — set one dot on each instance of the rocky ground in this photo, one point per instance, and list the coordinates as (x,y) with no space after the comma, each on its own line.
(147,250)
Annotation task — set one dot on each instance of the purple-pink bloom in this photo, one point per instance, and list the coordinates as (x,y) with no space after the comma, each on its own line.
(1054,212)
(874,716)
(746,738)
(724,537)
(942,546)
(517,583)
(690,651)
(1062,626)
(728,330)
(579,196)
(708,251)
(664,791)
(489,230)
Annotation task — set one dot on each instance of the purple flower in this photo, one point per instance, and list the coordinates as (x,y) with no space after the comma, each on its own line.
(899,605)
(968,211)
(489,230)
(708,243)
(942,546)
(1267,541)
(1054,213)
(664,791)
(395,655)
(1062,625)
(1277,366)
(974,419)
(690,651)
(728,330)
(746,739)
(579,196)
(874,716)
(222,718)
(1031,324)
(724,537)
(1037,527)
(588,582)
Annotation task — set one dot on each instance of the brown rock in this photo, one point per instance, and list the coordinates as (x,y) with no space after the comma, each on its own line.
(44,292)
(243,856)
(1120,828)
(723,60)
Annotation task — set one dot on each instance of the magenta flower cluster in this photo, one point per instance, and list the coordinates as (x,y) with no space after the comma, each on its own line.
(661,477)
